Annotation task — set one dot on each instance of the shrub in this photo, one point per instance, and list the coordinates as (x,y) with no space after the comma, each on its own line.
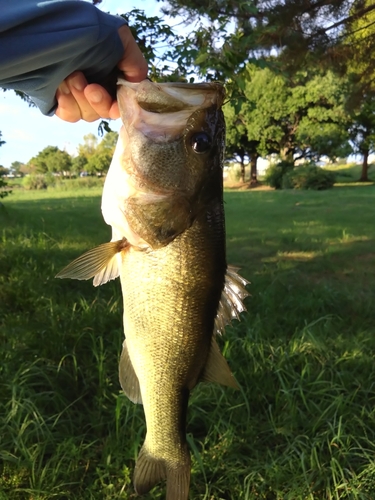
(276,172)
(308,177)
(233,174)
(81,182)
(4,190)
(38,181)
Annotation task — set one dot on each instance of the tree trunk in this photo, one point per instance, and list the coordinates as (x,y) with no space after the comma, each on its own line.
(242,175)
(287,154)
(253,169)
(364,173)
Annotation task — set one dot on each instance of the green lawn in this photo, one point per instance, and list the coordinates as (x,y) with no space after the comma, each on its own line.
(302,426)
(350,172)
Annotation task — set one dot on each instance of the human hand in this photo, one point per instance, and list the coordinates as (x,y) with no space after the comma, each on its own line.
(78,100)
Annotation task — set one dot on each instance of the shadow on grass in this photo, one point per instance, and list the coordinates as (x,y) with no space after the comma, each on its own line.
(301,427)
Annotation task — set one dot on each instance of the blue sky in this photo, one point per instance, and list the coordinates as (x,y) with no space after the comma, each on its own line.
(26,131)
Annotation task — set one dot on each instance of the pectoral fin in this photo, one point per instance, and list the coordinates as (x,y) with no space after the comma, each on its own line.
(217,369)
(101,262)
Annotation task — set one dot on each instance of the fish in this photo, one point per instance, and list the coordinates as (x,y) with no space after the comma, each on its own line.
(163,198)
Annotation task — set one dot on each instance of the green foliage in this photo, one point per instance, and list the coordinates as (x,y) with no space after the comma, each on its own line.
(79,184)
(108,143)
(52,160)
(351,172)
(231,33)
(79,164)
(38,181)
(88,148)
(3,171)
(275,173)
(232,174)
(162,47)
(301,427)
(302,115)
(237,144)
(308,177)
(17,168)
(284,175)
(93,157)
(4,190)
(99,163)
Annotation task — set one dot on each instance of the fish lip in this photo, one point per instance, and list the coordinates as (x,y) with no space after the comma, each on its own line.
(180,85)
(160,111)
(173,89)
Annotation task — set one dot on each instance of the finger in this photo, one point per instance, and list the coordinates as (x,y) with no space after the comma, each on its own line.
(114,112)
(133,64)
(99,99)
(67,107)
(76,83)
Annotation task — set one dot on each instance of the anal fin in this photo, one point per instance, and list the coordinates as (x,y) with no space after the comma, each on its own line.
(128,378)
(217,368)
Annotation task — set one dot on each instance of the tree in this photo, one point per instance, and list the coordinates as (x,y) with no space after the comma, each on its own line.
(60,162)
(53,160)
(361,74)
(79,164)
(93,157)
(298,117)
(238,146)
(4,191)
(108,143)
(3,171)
(230,33)
(362,131)
(358,41)
(17,168)
(99,163)
(88,148)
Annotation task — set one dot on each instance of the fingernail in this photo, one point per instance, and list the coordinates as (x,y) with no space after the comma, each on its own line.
(78,84)
(64,88)
(95,96)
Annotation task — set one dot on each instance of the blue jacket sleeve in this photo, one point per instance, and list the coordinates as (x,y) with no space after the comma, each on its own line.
(42,42)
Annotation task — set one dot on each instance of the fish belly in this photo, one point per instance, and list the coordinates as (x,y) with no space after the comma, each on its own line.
(171,297)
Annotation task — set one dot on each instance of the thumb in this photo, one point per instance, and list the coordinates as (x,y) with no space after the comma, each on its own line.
(132,64)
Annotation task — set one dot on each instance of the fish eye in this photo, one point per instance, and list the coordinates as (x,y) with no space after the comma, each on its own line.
(200,142)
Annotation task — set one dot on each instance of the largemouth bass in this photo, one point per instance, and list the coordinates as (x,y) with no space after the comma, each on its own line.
(163,197)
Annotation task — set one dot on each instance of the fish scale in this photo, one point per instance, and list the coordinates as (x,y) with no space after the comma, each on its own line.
(163,197)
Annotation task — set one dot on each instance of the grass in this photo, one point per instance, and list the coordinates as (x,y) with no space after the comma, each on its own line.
(301,428)
(350,172)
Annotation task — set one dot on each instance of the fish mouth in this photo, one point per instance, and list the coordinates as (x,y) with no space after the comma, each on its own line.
(169,97)
(160,111)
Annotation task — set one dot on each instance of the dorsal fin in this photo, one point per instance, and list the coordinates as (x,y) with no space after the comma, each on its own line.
(231,304)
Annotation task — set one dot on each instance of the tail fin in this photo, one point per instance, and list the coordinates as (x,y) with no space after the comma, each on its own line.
(149,470)
(178,481)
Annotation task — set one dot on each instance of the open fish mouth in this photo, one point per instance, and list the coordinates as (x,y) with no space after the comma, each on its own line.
(160,111)
(163,198)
